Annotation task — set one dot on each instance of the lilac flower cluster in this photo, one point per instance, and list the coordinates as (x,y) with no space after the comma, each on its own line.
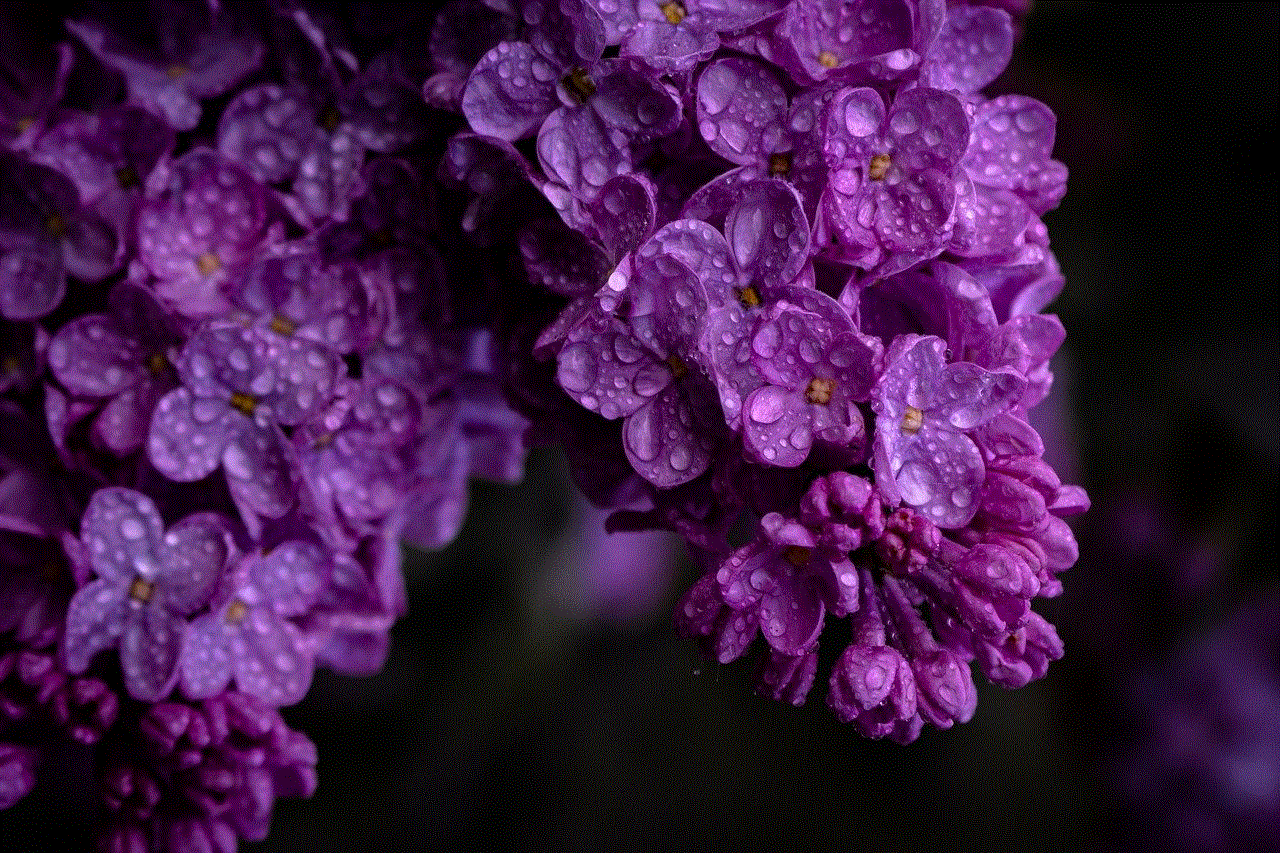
(273,285)
(239,369)
(805,267)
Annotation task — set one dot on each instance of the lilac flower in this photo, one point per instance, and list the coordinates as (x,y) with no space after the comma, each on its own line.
(121,358)
(248,635)
(204,221)
(207,773)
(238,387)
(17,772)
(743,114)
(677,34)
(872,685)
(586,111)
(45,233)
(972,48)
(109,155)
(816,368)
(893,184)
(198,53)
(638,369)
(32,80)
(148,581)
(924,408)
(817,40)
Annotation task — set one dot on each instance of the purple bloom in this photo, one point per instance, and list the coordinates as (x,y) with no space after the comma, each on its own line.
(121,358)
(109,155)
(882,40)
(238,387)
(17,772)
(204,221)
(148,581)
(463,32)
(971,50)
(197,53)
(925,409)
(743,114)
(32,80)
(45,233)
(248,634)
(893,184)
(816,368)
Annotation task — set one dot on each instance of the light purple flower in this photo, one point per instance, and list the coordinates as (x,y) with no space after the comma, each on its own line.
(46,233)
(925,409)
(121,358)
(202,224)
(816,367)
(866,40)
(248,635)
(17,772)
(239,386)
(148,582)
(893,184)
(199,53)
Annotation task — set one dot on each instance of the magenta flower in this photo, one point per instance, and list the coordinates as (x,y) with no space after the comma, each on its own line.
(148,582)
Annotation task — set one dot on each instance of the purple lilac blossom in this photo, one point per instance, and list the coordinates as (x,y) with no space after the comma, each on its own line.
(773,269)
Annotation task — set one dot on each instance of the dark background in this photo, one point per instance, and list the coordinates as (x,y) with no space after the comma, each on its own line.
(509,720)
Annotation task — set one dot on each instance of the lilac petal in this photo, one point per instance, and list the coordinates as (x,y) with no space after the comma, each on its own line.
(122,530)
(775,426)
(974,46)
(17,773)
(258,468)
(789,347)
(89,248)
(946,694)
(670,48)
(701,249)
(791,616)
(288,579)
(305,376)
(668,303)
(788,679)
(1044,189)
(273,664)
(510,92)
(968,395)
(938,471)
(561,259)
(630,98)
(91,358)
(328,175)
(196,551)
(854,121)
(569,33)
(661,443)
(1013,139)
(733,632)
(929,130)
(623,214)
(712,201)
(741,109)
(266,129)
(726,343)
(149,651)
(579,150)
(32,281)
(769,233)
(95,621)
(205,662)
(911,216)
(148,86)
(188,435)
(610,371)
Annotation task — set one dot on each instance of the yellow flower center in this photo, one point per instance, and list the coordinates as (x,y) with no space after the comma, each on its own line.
(208,263)
(177,72)
(748,296)
(579,84)
(879,167)
(282,325)
(797,555)
(677,365)
(827,59)
(912,420)
(127,178)
(819,391)
(243,403)
(236,611)
(673,11)
(141,591)
(780,164)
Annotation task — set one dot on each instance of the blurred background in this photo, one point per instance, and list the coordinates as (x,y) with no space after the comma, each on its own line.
(536,700)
